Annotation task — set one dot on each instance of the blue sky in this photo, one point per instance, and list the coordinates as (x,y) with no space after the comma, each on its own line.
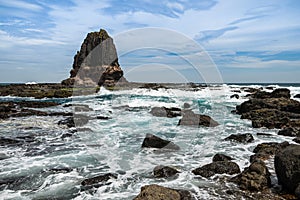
(248,40)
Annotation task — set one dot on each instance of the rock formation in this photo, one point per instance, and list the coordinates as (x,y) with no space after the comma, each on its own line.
(96,63)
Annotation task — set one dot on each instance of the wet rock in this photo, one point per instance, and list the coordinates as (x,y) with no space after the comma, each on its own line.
(8,141)
(270,88)
(103,117)
(241,138)
(164,171)
(98,180)
(287,167)
(221,157)
(218,167)
(165,112)
(76,120)
(189,118)
(153,86)
(264,151)
(152,141)
(186,105)
(235,96)
(297,140)
(156,192)
(297,96)
(256,177)
(96,63)
(290,131)
(264,134)
(277,93)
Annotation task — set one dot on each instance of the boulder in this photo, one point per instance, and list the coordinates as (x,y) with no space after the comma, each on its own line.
(235,96)
(76,120)
(165,112)
(218,167)
(264,151)
(256,177)
(189,118)
(164,171)
(297,140)
(152,141)
(96,63)
(156,192)
(290,131)
(221,157)
(277,93)
(287,167)
(98,179)
(241,138)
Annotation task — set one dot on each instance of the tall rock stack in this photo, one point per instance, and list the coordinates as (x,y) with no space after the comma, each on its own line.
(96,63)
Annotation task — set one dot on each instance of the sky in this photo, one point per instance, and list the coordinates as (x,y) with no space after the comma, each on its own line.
(234,40)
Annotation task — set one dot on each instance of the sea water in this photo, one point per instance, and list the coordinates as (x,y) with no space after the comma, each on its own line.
(53,166)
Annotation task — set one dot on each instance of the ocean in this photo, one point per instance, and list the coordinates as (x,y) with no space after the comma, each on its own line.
(59,159)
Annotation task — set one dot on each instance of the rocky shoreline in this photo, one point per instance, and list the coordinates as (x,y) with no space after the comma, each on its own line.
(265,109)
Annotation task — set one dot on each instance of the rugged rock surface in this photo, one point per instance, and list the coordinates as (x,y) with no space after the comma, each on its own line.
(290,131)
(241,138)
(190,118)
(218,167)
(256,177)
(96,63)
(164,171)
(165,112)
(98,180)
(264,151)
(221,157)
(156,192)
(287,167)
(152,141)
(271,110)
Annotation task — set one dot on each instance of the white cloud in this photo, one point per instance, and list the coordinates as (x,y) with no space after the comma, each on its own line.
(21,5)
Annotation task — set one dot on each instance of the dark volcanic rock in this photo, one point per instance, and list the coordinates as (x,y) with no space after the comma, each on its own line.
(153,86)
(256,177)
(156,192)
(290,131)
(152,141)
(218,167)
(221,157)
(98,179)
(277,93)
(165,112)
(264,151)
(235,96)
(96,63)
(287,167)
(242,138)
(297,140)
(189,118)
(297,96)
(164,171)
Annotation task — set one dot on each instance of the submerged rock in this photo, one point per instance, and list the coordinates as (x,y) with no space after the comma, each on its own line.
(76,120)
(152,141)
(235,96)
(290,131)
(218,167)
(297,96)
(156,192)
(297,140)
(101,179)
(287,167)
(164,171)
(242,138)
(165,112)
(190,118)
(221,157)
(256,177)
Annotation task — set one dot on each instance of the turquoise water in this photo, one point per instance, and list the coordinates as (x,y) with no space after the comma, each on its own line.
(53,166)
